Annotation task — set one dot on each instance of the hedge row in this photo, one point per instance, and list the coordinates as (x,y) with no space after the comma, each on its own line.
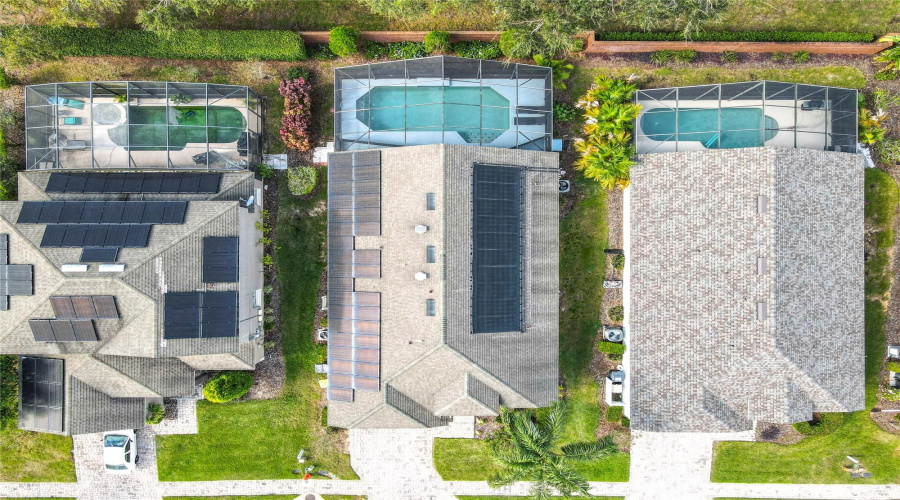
(267,45)
(737,36)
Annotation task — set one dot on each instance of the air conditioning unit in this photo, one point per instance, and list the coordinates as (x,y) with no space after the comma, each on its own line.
(613,333)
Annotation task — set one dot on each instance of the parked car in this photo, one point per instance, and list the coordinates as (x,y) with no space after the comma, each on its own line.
(120,451)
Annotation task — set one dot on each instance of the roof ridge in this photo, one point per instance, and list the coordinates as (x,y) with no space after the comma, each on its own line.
(120,373)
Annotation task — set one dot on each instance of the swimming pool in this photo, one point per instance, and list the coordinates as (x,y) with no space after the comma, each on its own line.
(478,114)
(152,127)
(739,128)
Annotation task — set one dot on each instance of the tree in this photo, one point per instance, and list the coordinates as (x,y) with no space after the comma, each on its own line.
(527,450)
(606,161)
(408,10)
(684,15)
(164,17)
(546,27)
(561,69)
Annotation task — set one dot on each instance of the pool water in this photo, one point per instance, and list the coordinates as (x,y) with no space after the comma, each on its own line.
(465,110)
(188,124)
(740,127)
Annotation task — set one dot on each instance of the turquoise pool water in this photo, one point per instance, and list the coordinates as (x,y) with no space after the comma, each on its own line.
(461,109)
(702,125)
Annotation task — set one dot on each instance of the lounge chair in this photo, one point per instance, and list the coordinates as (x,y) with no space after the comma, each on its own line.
(531,120)
(530,110)
(72,120)
(813,105)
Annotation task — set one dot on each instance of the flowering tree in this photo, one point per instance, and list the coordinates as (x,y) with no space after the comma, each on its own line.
(296,121)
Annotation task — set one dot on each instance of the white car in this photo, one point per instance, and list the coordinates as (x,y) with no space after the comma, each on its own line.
(120,451)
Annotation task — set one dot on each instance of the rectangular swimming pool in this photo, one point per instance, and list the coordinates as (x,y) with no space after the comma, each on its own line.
(737,128)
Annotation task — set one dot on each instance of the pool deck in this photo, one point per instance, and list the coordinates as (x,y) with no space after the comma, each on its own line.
(792,121)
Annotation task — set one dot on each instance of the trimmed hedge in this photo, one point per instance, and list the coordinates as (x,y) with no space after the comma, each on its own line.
(736,36)
(893,366)
(823,423)
(477,49)
(9,391)
(239,45)
(227,385)
(614,413)
(610,347)
(344,41)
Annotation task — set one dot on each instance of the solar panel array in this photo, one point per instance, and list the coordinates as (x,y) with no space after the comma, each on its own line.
(99,254)
(15,279)
(102,212)
(147,183)
(193,315)
(497,243)
(41,394)
(354,318)
(63,330)
(220,260)
(92,235)
(84,307)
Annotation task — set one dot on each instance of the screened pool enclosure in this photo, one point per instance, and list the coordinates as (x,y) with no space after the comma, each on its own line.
(143,125)
(749,114)
(443,100)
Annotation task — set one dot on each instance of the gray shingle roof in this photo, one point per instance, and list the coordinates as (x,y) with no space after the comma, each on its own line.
(700,359)
(89,410)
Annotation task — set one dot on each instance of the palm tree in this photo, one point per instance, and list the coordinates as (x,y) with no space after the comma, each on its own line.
(528,451)
(560,68)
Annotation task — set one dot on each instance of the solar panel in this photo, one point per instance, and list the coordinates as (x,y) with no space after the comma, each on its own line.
(62,330)
(189,184)
(152,183)
(92,213)
(497,242)
(175,211)
(182,315)
(209,183)
(154,212)
(75,235)
(96,183)
(114,183)
(105,306)
(99,255)
(112,212)
(71,212)
(219,314)
(171,184)
(138,236)
(84,330)
(220,260)
(57,183)
(53,236)
(30,213)
(50,213)
(41,330)
(133,183)
(62,307)
(96,235)
(116,235)
(42,394)
(84,307)
(133,213)
(77,183)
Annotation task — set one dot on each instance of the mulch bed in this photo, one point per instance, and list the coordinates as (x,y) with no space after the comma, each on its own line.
(887,421)
(777,433)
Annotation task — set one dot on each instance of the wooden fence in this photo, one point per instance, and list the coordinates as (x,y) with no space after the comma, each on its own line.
(593,46)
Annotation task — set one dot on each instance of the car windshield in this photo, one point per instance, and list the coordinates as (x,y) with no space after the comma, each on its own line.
(115,440)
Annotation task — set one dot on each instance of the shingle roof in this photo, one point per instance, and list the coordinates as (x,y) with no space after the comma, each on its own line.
(700,359)
(89,410)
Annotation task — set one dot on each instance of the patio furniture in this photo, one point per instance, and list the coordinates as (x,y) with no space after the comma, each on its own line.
(72,120)
(530,120)
(75,145)
(71,103)
(814,104)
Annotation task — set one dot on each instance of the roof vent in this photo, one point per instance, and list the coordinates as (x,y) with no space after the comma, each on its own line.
(421,229)
(111,268)
(74,268)
(420,276)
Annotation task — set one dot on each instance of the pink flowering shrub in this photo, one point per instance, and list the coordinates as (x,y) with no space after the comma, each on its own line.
(296,122)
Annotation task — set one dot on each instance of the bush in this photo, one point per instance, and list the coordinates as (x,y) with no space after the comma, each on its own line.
(4,79)
(265,171)
(226,45)
(801,56)
(344,41)
(611,347)
(301,180)
(614,413)
(295,72)
(516,43)
(477,50)
(619,262)
(662,57)
(885,75)
(729,56)
(437,41)
(9,391)
(891,394)
(155,413)
(323,53)
(778,56)
(227,386)
(324,420)
(616,313)
(893,366)
(563,112)
(888,151)
(737,36)
(406,50)
(375,50)
(821,424)
(296,121)
(685,56)
(626,422)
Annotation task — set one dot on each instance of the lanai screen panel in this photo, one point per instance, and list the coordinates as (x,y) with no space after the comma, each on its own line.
(148,125)
(41,394)
(497,249)
(743,115)
(443,100)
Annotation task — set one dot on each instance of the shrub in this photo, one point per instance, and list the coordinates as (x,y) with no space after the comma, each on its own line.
(265,171)
(227,386)
(343,41)
(514,43)
(778,56)
(611,347)
(614,413)
(662,57)
(563,112)
(685,56)
(406,50)
(226,45)
(295,72)
(296,121)
(323,53)
(801,56)
(893,366)
(729,56)
(324,321)
(616,313)
(437,41)
(301,180)
(619,262)
(477,50)
(324,419)
(9,391)
(885,74)
(375,50)
(891,394)
(888,151)
(821,424)
(626,422)
(155,413)
(738,36)
(4,79)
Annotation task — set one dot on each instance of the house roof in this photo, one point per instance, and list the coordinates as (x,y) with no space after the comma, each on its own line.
(427,361)
(705,354)
(132,358)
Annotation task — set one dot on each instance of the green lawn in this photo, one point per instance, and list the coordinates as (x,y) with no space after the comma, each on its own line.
(818,459)
(582,241)
(261,439)
(34,456)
